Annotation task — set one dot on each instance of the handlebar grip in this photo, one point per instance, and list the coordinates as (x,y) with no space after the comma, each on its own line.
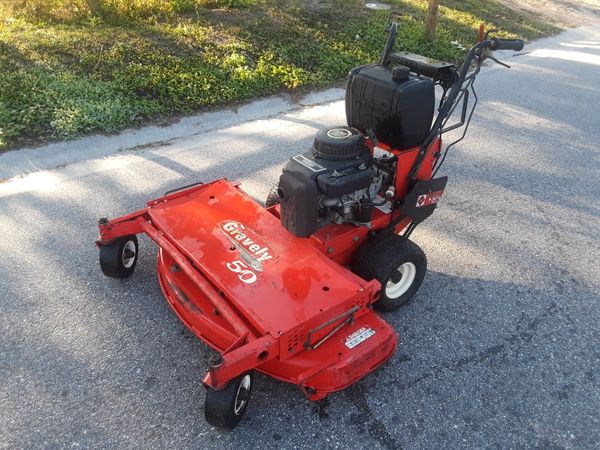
(507,44)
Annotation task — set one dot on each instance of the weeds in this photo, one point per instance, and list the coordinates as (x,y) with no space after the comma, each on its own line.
(64,73)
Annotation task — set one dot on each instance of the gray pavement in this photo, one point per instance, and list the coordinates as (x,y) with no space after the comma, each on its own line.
(500,347)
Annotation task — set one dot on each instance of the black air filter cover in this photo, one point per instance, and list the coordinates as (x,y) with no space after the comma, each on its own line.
(339,143)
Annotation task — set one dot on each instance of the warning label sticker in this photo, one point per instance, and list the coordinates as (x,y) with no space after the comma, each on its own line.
(308,163)
(360,335)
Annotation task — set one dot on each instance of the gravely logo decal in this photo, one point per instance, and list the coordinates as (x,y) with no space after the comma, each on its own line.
(247,240)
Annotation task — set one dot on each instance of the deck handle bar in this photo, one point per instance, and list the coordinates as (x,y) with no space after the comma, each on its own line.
(348,321)
(200,280)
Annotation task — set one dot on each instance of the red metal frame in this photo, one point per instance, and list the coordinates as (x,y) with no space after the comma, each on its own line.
(261,297)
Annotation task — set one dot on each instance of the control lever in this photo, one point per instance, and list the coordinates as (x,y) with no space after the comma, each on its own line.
(498,61)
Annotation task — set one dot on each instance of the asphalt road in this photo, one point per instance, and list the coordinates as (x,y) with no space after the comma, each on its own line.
(500,348)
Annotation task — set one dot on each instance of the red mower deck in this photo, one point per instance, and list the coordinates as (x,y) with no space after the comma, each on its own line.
(276,304)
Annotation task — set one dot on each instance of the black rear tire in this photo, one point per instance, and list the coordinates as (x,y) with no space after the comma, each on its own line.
(118,259)
(272,199)
(226,407)
(398,263)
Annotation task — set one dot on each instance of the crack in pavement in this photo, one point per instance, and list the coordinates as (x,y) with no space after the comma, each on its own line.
(376,428)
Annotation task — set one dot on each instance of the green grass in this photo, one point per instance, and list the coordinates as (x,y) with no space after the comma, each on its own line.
(64,74)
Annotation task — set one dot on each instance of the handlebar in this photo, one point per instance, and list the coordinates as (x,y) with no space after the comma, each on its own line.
(506,44)
(493,44)
(475,53)
(448,104)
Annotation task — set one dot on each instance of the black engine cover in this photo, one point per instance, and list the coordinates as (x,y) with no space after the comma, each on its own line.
(299,199)
(339,163)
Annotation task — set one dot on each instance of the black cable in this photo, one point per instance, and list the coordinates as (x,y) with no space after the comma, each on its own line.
(409,230)
(441,161)
(463,74)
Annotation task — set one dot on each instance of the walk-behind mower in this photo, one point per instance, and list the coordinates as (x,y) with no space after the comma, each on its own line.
(289,290)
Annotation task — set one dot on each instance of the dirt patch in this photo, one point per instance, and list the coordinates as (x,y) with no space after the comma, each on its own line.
(565,13)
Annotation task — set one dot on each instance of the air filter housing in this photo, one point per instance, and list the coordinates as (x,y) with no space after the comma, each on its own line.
(339,143)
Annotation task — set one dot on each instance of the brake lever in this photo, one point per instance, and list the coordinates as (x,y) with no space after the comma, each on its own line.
(499,62)
(488,56)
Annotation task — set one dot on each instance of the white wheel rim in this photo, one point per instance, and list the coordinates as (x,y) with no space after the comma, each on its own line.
(128,254)
(239,404)
(408,272)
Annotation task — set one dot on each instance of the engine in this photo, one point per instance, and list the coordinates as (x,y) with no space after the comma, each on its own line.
(337,180)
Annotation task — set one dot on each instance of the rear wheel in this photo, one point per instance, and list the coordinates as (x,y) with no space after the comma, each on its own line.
(118,259)
(225,408)
(272,199)
(399,265)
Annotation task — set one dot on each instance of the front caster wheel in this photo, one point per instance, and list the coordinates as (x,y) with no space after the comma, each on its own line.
(398,264)
(118,258)
(225,408)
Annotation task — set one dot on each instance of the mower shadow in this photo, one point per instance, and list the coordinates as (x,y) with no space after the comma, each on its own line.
(454,326)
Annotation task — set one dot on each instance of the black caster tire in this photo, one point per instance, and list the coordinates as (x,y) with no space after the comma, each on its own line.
(225,408)
(272,199)
(398,263)
(118,259)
